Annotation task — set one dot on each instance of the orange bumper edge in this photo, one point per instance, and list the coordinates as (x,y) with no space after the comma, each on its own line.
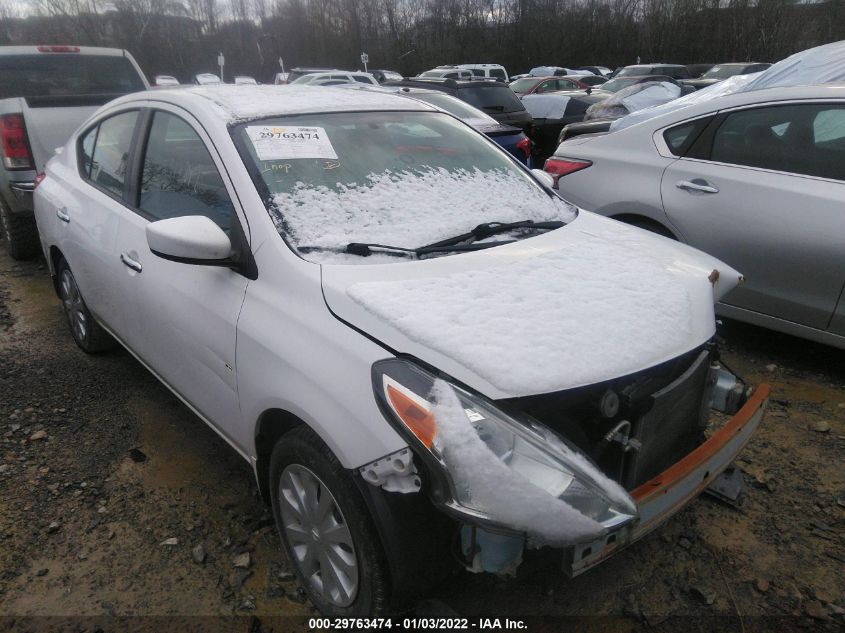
(663,482)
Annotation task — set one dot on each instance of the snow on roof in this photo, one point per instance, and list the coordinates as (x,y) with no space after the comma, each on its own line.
(546,106)
(254,102)
(541,324)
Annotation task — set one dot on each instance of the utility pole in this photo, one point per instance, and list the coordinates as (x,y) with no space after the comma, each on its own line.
(220,62)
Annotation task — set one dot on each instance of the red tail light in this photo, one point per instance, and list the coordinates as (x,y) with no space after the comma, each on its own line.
(16,152)
(39,178)
(58,49)
(525,145)
(559,167)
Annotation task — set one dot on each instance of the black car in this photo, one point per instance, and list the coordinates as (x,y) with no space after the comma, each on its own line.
(675,71)
(720,72)
(493,97)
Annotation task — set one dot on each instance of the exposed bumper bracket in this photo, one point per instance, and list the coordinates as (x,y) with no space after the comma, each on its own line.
(668,492)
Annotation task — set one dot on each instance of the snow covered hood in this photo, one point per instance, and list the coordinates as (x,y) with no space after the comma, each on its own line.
(586,303)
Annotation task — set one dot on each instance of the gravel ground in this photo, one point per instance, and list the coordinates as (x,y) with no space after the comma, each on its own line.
(120,510)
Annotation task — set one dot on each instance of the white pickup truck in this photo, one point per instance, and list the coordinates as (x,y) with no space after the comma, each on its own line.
(46,92)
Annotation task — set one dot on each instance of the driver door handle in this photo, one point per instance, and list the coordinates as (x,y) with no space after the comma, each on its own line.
(63,215)
(691,185)
(131,263)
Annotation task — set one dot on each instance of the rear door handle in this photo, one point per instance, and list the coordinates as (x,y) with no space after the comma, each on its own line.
(131,263)
(63,215)
(699,185)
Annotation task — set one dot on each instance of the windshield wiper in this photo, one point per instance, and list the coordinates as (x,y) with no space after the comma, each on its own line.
(365,250)
(489,229)
(451,244)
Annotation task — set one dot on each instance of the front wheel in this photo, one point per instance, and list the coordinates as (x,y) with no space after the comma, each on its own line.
(326,528)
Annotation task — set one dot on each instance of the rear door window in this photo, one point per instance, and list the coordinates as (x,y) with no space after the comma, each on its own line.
(801,139)
(110,156)
(179,176)
(498,73)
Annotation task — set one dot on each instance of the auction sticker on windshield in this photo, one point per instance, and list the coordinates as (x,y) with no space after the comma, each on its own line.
(282,143)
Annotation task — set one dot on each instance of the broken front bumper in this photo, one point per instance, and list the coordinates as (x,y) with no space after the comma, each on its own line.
(668,492)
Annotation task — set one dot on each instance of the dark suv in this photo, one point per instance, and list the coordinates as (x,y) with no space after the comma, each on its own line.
(493,97)
(675,71)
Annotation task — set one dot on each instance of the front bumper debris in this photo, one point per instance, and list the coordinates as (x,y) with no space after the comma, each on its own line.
(663,495)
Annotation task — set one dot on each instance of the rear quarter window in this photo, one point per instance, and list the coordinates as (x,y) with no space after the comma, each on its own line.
(681,137)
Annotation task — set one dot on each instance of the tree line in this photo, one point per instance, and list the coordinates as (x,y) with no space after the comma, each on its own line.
(183,37)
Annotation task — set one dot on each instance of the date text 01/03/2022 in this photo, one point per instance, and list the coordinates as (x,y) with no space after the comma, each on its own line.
(411,624)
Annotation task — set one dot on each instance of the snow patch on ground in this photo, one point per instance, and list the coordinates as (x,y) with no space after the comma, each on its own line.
(495,489)
(408,209)
(554,321)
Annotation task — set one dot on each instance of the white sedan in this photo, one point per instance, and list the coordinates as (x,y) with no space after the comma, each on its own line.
(410,338)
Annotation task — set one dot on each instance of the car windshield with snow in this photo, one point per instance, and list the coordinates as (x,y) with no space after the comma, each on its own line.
(345,186)
(506,373)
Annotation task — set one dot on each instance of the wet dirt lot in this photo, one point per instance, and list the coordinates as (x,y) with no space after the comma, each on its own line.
(121,510)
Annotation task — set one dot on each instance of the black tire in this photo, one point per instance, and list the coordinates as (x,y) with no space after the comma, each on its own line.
(649,225)
(20,233)
(88,334)
(301,447)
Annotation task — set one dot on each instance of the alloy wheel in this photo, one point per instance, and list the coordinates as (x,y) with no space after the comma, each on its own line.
(318,535)
(74,306)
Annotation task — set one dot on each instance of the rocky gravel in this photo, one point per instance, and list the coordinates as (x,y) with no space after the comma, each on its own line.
(120,510)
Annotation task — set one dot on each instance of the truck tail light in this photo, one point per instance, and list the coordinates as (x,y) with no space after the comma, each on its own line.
(39,178)
(559,167)
(16,152)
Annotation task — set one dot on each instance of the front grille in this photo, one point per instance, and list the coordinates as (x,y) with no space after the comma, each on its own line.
(665,406)
(671,427)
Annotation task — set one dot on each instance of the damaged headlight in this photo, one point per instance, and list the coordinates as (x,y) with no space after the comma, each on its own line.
(509,471)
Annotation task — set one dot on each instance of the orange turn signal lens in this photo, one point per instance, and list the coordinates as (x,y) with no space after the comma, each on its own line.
(417,418)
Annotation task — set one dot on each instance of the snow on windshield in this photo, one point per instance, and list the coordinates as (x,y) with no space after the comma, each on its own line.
(545,319)
(407,209)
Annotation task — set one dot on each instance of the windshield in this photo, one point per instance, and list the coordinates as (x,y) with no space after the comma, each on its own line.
(615,85)
(455,106)
(722,72)
(631,71)
(55,74)
(396,178)
(523,85)
(492,98)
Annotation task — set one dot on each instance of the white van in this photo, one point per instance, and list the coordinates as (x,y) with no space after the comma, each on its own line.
(486,71)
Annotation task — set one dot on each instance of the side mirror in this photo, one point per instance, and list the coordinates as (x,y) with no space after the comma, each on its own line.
(544,177)
(190,239)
